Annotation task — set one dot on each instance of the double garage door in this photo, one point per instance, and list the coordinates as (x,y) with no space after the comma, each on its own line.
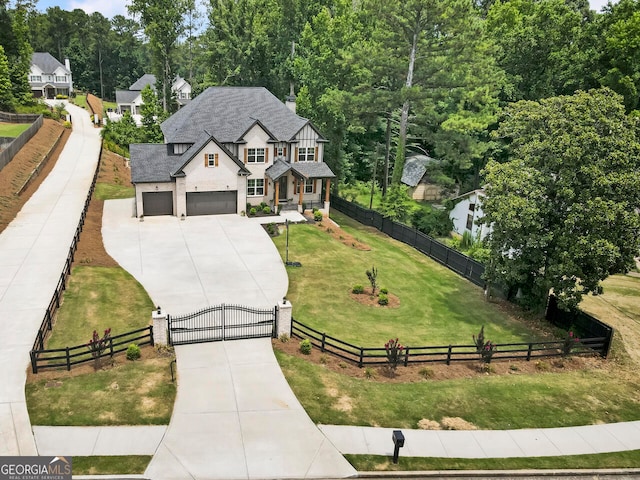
(198,203)
(211,203)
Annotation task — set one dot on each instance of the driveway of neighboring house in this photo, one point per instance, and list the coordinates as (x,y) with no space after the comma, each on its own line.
(190,264)
(235,416)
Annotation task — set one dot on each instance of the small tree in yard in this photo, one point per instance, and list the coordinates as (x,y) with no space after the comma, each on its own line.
(97,346)
(485,349)
(394,353)
(570,342)
(372,275)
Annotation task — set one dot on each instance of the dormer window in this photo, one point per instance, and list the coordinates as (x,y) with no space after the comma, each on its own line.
(306,154)
(255,155)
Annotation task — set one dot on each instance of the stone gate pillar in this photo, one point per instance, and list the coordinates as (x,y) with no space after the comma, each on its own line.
(284,317)
(160,324)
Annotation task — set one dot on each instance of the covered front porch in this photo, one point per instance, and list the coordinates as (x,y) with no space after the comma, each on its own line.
(300,185)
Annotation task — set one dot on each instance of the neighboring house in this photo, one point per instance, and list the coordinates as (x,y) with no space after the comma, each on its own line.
(414,174)
(131,100)
(229,148)
(467,212)
(48,77)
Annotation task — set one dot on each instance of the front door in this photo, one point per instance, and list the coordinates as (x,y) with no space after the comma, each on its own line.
(283,188)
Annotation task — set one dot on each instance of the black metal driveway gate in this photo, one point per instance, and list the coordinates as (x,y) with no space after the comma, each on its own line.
(222,322)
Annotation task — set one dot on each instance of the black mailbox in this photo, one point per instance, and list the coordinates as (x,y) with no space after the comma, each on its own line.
(398,438)
(398,441)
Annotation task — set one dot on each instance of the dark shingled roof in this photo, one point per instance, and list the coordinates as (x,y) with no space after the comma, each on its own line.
(143,81)
(302,169)
(126,96)
(47,62)
(153,162)
(228,112)
(415,168)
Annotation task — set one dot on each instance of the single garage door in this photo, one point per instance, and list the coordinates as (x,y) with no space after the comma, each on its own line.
(211,203)
(157,203)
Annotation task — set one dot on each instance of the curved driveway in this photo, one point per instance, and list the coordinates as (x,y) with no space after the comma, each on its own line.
(235,416)
(190,264)
(33,251)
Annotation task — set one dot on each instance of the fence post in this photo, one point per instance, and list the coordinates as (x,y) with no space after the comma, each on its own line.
(48,315)
(34,362)
(284,318)
(111,347)
(449,355)
(324,336)
(160,328)
(361,355)
(153,344)
(68,360)
(406,357)
(224,328)
(529,352)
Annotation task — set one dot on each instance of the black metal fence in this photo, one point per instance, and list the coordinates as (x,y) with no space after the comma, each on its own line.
(14,147)
(54,304)
(70,356)
(222,322)
(581,323)
(363,356)
(456,261)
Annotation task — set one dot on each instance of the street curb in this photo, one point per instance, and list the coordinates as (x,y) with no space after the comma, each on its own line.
(501,473)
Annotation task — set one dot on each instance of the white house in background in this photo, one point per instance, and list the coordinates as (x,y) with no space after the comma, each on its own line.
(230,148)
(467,212)
(131,100)
(48,77)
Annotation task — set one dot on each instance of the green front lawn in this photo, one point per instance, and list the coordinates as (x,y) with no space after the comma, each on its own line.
(630,459)
(13,130)
(80,101)
(495,402)
(98,298)
(437,306)
(107,191)
(111,465)
(130,393)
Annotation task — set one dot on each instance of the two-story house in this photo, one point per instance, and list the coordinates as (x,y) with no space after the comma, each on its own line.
(48,77)
(131,100)
(228,149)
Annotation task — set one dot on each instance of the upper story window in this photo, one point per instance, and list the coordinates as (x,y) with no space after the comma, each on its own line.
(255,155)
(212,159)
(184,95)
(281,151)
(61,78)
(35,78)
(472,207)
(306,154)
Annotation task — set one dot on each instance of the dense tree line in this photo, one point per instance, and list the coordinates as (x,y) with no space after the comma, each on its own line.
(539,97)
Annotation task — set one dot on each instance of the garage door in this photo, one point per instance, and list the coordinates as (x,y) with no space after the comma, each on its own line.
(157,203)
(211,203)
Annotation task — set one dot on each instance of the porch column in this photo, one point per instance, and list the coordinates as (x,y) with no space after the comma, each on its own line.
(327,189)
(277,193)
(300,195)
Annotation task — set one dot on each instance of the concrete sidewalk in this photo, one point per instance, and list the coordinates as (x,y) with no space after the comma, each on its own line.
(90,441)
(33,250)
(536,442)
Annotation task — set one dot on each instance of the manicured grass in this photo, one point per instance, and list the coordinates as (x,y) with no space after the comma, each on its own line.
(80,101)
(630,459)
(437,307)
(111,465)
(105,191)
(621,292)
(98,298)
(130,393)
(13,129)
(111,105)
(489,402)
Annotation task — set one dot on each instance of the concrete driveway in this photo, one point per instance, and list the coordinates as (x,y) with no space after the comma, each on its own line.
(190,264)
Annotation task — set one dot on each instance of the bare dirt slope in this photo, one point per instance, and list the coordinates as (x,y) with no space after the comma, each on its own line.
(13,176)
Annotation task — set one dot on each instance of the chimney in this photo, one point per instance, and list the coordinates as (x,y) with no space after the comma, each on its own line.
(67,65)
(291,99)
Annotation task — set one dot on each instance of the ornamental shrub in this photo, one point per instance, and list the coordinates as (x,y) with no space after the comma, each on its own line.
(394,353)
(253,211)
(357,289)
(266,210)
(383,299)
(317,216)
(305,346)
(133,352)
(570,342)
(384,290)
